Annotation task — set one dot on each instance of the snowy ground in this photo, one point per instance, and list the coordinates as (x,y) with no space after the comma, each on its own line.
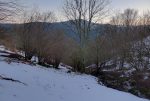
(54,85)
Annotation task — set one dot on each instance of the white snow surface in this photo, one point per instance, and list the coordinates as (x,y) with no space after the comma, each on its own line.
(54,85)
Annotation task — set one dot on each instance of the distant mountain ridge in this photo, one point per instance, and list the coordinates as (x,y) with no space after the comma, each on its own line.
(65,26)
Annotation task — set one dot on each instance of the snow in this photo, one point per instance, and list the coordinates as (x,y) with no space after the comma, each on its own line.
(34,59)
(54,85)
(146,77)
(3,48)
(43,84)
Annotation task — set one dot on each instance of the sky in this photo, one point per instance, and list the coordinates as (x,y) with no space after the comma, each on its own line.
(56,5)
(140,5)
(116,4)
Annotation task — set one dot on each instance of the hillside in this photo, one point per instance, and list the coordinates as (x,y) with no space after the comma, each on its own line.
(35,83)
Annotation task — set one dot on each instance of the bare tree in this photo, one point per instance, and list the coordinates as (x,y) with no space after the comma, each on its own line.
(24,36)
(41,30)
(140,50)
(125,24)
(8,8)
(33,33)
(129,17)
(100,50)
(56,48)
(145,23)
(83,14)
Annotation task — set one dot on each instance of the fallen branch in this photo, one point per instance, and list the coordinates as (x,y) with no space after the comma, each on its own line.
(10,79)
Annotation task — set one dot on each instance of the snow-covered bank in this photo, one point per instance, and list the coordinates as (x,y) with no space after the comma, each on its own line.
(54,85)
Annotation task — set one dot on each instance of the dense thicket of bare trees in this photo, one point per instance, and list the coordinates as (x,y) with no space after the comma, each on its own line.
(121,41)
(125,32)
(101,51)
(37,37)
(129,33)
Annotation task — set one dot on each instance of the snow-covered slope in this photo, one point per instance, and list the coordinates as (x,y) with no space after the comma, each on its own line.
(53,85)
